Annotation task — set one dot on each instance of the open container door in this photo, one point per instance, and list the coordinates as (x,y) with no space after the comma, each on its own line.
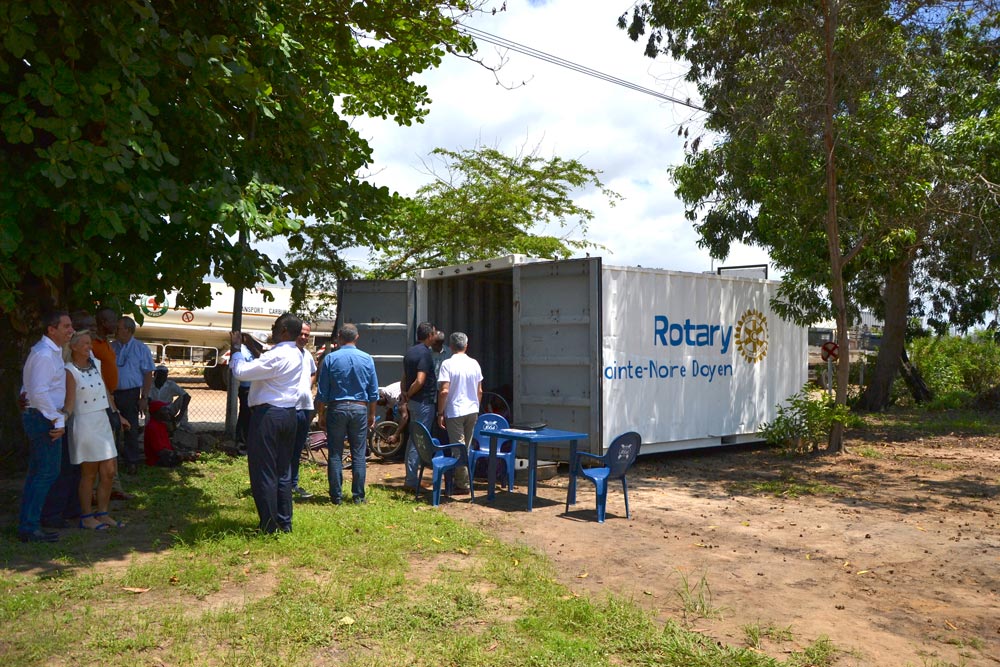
(557,352)
(384,312)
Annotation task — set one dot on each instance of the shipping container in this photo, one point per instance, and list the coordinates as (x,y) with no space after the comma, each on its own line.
(686,359)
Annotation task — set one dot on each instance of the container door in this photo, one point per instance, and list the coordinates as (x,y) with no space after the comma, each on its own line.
(383,311)
(557,336)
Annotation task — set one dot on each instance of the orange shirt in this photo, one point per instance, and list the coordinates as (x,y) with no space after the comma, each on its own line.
(109,367)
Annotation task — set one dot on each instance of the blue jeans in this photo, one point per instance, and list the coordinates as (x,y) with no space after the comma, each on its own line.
(424,414)
(270,441)
(44,461)
(63,500)
(350,421)
(302,420)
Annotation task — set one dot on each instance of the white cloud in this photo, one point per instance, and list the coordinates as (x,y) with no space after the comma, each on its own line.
(631,137)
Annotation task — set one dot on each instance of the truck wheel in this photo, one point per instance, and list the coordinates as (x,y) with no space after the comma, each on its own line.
(217,377)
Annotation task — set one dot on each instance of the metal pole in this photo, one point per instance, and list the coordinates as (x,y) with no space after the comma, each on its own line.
(233,387)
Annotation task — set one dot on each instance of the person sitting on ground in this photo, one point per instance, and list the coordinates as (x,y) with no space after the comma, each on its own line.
(402,415)
(388,398)
(171,393)
(156,438)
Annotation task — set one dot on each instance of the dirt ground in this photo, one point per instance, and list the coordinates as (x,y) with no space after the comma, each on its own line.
(895,556)
(895,560)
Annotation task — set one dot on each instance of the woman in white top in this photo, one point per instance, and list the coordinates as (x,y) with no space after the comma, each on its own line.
(91,442)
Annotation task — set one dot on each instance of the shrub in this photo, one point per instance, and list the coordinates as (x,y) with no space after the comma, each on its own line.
(805,421)
(957,368)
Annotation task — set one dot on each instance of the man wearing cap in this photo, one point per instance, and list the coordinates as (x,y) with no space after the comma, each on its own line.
(172,394)
(274,392)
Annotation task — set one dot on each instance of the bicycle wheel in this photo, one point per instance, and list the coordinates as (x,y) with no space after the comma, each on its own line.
(494,403)
(379,443)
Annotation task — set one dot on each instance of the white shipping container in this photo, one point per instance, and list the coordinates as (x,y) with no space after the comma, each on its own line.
(687,360)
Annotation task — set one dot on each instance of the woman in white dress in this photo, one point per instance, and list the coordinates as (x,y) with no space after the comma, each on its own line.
(91,442)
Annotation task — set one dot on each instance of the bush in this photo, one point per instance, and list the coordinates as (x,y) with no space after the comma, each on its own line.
(957,369)
(805,421)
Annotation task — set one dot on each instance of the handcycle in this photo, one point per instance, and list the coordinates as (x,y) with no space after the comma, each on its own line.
(378,445)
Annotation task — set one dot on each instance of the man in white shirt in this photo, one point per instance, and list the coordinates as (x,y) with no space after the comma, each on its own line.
(168,391)
(44,423)
(303,409)
(460,390)
(274,392)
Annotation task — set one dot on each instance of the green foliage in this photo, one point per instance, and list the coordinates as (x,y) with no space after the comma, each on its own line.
(483,203)
(958,369)
(480,203)
(805,421)
(913,103)
(139,138)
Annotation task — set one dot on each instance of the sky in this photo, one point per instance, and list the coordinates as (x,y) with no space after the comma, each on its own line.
(629,136)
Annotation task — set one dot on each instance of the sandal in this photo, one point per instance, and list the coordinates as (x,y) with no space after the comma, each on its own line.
(99,526)
(116,524)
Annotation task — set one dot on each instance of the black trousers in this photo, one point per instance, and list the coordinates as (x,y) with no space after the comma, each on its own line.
(243,416)
(127,401)
(270,446)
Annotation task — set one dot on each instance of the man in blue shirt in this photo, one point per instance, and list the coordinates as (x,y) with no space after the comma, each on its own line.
(348,386)
(135,377)
(419,385)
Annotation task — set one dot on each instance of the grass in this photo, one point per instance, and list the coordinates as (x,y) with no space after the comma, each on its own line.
(938,422)
(696,600)
(868,452)
(787,486)
(755,633)
(393,582)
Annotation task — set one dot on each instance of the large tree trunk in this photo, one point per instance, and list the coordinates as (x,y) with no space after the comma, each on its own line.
(19,329)
(896,298)
(13,446)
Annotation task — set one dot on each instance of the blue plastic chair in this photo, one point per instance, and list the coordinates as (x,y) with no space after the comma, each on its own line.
(613,465)
(479,448)
(438,458)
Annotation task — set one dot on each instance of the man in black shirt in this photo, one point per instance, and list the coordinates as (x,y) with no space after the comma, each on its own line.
(419,385)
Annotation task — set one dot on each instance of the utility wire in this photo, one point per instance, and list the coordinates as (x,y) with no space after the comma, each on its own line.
(555,60)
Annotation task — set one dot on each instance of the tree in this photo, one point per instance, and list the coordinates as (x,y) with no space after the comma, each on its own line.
(480,203)
(827,143)
(140,138)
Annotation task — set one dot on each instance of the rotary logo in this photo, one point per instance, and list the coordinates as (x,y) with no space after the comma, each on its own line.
(751,335)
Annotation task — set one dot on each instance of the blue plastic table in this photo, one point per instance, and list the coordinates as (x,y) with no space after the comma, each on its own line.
(546,436)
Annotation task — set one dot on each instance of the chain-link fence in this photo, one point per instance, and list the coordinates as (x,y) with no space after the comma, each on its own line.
(202,372)
(207,410)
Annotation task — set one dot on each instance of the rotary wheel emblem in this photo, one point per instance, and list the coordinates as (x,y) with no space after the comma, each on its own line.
(751,335)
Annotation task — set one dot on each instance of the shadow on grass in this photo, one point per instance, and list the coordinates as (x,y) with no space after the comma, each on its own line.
(167,507)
